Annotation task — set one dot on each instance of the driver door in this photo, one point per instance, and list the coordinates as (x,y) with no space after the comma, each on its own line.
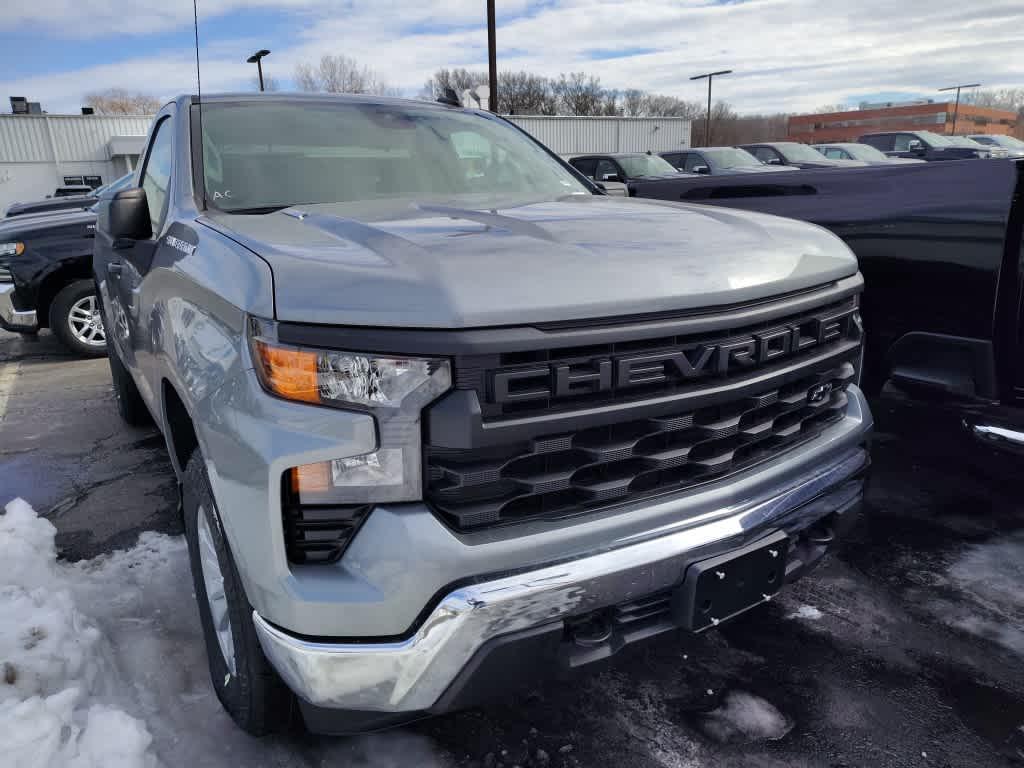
(613,178)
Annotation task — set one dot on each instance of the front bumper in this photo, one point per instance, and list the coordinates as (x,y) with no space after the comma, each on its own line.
(12,319)
(414,674)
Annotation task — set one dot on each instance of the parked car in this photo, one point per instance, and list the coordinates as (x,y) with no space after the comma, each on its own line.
(949,330)
(720,161)
(614,171)
(964,141)
(441,428)
(923,145)
(72,190)
(796,154)
(46,278)
(66,203)
(1014,147)
(863,152)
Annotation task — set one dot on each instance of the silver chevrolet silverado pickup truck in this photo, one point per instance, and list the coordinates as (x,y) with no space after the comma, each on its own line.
(446,417)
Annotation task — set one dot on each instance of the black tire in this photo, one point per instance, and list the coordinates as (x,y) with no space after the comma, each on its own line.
(61,319)
(130,405)
(254,696)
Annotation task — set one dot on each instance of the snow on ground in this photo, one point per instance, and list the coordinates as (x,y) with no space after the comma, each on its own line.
(745,717)
(102,665)
(806,612)
(990,576)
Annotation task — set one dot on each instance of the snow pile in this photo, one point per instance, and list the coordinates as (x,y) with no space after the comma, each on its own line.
(57,679)
(990,575)
(807,613)
(745,717)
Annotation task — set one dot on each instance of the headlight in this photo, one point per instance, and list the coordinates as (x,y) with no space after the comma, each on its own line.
(12,249)
(393,389)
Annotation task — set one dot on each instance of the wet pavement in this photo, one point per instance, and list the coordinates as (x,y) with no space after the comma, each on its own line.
(906,648)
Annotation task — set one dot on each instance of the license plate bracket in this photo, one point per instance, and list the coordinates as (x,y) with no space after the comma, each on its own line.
(720,588)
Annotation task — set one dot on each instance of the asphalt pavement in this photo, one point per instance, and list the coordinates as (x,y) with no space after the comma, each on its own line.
(904,648)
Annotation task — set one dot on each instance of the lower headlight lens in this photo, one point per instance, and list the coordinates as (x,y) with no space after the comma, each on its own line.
(376,476)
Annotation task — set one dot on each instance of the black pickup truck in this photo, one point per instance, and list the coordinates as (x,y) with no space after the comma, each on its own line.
(67,202)
(46,278)
(940,247)
(923,145)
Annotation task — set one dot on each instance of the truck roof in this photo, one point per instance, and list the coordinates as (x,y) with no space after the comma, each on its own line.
(307,98)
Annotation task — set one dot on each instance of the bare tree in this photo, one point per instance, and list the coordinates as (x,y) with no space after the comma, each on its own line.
(339,74)
(656,105)
(634,102)
(120,101)
(520,93)
(458,80)
(269,83)
(579,93)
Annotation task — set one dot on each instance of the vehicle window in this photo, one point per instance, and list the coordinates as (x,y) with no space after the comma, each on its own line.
(901,142)
(585,165)
(692,161)
(836,154)
(605,167)
(273,155)
(730,157)
(765,155)
(882,142)
(157,174)
(645,165)
(676,159)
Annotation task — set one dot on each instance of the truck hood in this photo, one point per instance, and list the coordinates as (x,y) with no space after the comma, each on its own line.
(33,222)
(430,266)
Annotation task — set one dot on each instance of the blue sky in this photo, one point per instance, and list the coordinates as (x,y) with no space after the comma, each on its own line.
(788,55)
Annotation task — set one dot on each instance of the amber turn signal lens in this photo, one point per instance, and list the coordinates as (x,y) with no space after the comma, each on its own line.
(288,373)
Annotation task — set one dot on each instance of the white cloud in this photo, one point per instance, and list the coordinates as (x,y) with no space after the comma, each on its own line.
(787,54)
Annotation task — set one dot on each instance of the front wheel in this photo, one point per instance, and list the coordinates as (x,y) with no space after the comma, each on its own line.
(246,684)
(76,320)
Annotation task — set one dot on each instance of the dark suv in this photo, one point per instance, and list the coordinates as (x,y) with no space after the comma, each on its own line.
(923,145)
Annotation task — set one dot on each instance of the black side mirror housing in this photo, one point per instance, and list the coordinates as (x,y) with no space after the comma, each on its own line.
(702,169)
(129,215)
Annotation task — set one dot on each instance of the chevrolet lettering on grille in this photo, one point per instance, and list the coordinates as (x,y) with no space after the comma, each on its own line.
(685,363)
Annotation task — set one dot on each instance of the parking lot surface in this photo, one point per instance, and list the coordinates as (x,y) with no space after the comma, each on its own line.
(903,649)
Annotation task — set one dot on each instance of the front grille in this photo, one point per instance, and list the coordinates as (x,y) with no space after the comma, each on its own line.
(477,372)
(565,473)
(5,275)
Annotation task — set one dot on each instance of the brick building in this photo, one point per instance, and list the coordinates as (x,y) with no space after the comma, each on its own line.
(936,117)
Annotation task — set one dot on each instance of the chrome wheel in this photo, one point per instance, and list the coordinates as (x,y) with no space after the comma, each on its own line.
(213,580)
(86,323)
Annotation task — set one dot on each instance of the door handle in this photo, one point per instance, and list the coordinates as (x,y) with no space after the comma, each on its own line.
(114,267)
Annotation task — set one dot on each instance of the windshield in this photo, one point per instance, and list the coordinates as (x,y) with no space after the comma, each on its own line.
(645,165)
(935,139)
(799,153)
(730,157)
(278,154)
(1006,141)
(863,152)
(963,141)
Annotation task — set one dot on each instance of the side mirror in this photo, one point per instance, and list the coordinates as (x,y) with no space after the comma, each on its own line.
(701,169)
(773,161)
(915,145)
(611,177)
(128,216)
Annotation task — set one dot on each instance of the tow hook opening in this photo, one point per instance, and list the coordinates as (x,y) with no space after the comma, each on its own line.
(590,631)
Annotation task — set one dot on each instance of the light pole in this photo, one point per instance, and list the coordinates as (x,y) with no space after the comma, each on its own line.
(256,59)
(492,59)
(956,107)
(707,122)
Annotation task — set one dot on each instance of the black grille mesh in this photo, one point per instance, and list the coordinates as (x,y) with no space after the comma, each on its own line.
(316,535)
(563,474)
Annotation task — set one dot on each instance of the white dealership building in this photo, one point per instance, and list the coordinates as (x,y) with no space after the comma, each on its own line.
(40,152)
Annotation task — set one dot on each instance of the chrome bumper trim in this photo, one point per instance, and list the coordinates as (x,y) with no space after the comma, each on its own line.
(997,436)
(410,675)
(11,317)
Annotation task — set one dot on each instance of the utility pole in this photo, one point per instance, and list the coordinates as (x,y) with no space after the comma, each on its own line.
(707,120)
(257,59)
(492,59)
(956,107)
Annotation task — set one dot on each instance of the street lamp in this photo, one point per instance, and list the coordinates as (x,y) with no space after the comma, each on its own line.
(956,107)
(492,59)
(707,122)
(256,59)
